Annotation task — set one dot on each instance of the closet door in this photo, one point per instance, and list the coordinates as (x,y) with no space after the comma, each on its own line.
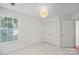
(68,33)
(52,32)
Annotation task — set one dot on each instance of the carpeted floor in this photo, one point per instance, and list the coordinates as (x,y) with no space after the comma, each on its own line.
(45,49)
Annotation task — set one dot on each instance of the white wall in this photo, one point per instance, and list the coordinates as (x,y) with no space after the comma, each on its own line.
(29,31)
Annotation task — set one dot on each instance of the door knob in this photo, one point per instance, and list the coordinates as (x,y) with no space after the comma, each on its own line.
(49,34)
(62,34)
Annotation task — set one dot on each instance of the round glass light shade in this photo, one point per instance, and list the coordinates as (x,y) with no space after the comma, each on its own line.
(44,12)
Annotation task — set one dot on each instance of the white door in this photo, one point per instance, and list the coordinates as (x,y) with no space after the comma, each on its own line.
(68,33)
(52,32)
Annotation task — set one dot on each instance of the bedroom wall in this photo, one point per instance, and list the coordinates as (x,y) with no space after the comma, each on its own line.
(29,31)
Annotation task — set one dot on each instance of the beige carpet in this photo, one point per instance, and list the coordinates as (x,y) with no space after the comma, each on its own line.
(45,49)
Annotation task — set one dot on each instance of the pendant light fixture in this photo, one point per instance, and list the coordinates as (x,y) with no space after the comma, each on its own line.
(44,12)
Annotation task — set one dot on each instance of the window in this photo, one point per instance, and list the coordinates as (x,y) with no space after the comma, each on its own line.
(8,29)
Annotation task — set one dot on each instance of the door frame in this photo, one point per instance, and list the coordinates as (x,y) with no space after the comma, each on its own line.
(75,31)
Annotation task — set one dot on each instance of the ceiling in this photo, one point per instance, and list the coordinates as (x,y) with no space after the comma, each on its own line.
(54,9)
